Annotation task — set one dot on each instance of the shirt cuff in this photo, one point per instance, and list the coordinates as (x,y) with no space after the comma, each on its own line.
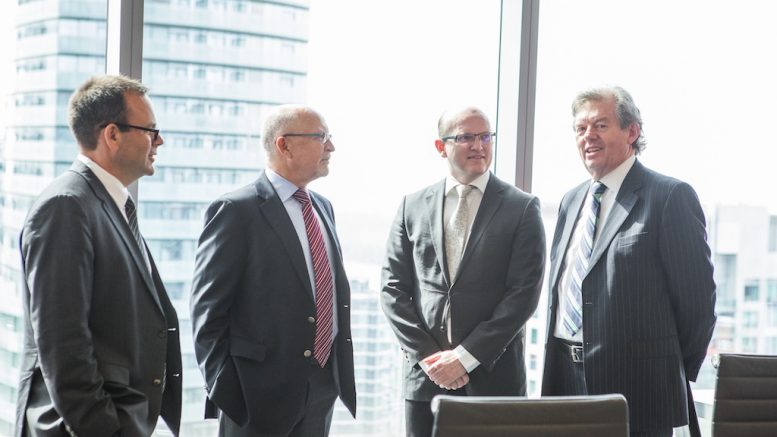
(467,360)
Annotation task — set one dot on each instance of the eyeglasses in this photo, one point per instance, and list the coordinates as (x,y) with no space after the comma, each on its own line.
(322,138)
(467,139)
(128,126)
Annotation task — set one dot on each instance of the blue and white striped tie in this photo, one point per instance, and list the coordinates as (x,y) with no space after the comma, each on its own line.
(573,314)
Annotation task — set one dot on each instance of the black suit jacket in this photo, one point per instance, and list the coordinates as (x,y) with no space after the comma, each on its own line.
(101,347)
(251,304)
(648,297)
(494,293)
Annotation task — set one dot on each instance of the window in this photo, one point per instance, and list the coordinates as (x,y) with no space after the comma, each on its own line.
(749,344)
(750,319)
(773,234)
(771,291)
(751,290)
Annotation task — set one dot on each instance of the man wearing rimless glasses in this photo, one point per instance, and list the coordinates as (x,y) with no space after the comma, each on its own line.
(463,271)
(101,346)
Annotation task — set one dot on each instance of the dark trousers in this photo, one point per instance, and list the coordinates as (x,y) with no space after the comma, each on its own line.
(568,375)
(419,419)
(570,381)
(316,418)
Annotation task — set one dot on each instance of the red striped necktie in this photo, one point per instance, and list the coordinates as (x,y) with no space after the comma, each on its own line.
(323,277)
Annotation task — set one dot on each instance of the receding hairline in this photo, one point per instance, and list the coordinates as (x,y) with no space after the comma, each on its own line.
(452,116)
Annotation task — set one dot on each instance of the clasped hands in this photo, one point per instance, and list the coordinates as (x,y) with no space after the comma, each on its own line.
(445,370)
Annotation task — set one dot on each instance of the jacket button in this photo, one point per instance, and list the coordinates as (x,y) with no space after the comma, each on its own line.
(156,382)
(162,333)
(307,353)
(311,319)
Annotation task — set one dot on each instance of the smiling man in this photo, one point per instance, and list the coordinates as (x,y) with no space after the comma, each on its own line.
(270,299)
(631,288)
(101,349)
(463,271)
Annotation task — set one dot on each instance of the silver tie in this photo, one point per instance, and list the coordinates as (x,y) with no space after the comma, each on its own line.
(456,231)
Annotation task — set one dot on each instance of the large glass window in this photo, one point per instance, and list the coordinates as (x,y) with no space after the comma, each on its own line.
(216,68)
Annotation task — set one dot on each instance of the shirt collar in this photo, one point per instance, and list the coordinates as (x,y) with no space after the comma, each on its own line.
(283,187)
(115,188)
(480,182)
(614,179)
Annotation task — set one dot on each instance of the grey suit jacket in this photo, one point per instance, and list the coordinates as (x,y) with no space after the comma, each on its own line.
(251,307)
(101,347)
(494,293)
(648,297)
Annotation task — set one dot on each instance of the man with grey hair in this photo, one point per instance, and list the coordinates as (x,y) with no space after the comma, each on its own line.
(631,290)
(101,349)
(270,300)
(463,272)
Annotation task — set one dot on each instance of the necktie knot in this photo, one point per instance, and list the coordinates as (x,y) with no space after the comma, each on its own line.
(301,196)
(597,189)
(464,190)
(129,206)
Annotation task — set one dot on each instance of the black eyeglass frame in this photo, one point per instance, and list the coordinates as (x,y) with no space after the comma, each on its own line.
(323,137)
(128,126)
(458,139)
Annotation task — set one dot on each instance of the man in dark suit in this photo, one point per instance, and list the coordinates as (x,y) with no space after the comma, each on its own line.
(631,288)
(270,303)
(101,350)
(463,273)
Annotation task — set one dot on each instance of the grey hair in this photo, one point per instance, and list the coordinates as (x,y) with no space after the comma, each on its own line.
(100,100)
(625,109)
(279,120)
(449,118)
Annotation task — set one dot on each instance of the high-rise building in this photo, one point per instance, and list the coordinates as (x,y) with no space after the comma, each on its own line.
(215,67)
(377,365)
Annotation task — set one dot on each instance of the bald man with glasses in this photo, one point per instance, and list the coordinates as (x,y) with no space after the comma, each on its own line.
(271,301)
(463,271)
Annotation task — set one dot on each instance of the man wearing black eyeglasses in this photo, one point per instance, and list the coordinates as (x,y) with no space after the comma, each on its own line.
(101,348)
(270,299)
(462,275)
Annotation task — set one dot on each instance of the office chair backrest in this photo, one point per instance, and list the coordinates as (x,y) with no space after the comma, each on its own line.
(746,396)
(578,416)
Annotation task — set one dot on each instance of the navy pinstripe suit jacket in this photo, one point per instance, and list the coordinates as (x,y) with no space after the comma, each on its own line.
(648,297)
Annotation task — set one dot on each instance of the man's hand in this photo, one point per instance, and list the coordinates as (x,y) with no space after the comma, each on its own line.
(445,370)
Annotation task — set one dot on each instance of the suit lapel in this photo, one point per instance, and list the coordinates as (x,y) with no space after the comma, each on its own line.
(571,212)
(489,205)
(624,202)
(273,210)
(434,203)
(120,224)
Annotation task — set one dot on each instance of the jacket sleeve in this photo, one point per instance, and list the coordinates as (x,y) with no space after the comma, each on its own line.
(58,261)
(217,276)
(523,284)
(685,256)
(398,284)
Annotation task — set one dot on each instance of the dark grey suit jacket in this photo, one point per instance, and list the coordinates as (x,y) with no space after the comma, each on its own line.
(101,347)
(492,296)
(648,297)
(251,304)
